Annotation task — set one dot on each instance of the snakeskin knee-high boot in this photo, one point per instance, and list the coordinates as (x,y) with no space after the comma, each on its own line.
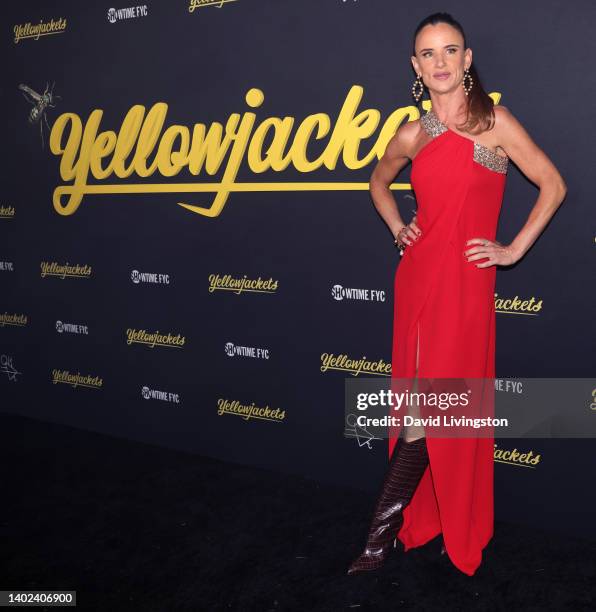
(406,468)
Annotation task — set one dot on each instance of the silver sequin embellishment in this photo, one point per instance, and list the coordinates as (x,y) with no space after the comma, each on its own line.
(493,161)
(432,124)
(482,154)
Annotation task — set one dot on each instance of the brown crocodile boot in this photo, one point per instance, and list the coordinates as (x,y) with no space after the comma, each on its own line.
(406,468)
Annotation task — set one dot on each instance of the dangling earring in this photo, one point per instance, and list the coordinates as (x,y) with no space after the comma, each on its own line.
(418,83)
(469,88)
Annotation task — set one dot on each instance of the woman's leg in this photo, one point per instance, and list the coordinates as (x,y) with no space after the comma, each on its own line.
(406,468)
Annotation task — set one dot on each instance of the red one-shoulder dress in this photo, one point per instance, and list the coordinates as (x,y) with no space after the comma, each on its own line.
(444,314)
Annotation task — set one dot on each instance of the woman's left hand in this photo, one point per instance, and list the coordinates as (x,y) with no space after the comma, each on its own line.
(494,252)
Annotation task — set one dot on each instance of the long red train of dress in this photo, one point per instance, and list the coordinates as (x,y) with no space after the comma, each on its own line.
(447,303)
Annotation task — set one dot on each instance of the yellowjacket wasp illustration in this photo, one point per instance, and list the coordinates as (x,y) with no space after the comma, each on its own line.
(40,103)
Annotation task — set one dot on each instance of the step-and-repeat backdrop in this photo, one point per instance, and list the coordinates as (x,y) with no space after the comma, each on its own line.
(189,254)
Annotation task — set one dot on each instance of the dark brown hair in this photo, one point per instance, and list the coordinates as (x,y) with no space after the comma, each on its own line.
(480,114)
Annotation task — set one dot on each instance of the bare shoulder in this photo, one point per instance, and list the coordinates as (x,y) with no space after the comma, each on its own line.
(520,147)
(397,154)
(507,126)
(403,142)
(502,113)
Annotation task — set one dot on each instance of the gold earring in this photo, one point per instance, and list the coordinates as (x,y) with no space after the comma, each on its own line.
(418,83)
(469,88)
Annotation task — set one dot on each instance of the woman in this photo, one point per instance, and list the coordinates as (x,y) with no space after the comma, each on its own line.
(444,323)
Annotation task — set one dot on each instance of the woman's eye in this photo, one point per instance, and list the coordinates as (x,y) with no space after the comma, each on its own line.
(428,53)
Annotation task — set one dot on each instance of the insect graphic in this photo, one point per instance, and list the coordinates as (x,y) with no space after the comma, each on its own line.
(40,102)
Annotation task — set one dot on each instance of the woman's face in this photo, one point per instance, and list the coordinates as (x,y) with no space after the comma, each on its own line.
(440,57)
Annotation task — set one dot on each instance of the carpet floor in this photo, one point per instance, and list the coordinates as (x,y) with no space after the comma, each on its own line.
(131,526)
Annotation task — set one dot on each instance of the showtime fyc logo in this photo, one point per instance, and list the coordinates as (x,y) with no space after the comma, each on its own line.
(154,278)
(235,350)
(340,293)
(131,12)
(71,328)
(164,396)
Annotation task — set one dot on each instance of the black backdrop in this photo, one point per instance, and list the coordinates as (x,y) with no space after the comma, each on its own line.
(305,57)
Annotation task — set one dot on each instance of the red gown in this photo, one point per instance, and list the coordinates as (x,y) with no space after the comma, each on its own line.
(449,302)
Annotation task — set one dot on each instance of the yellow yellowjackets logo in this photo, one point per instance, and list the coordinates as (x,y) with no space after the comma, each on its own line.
(274,144)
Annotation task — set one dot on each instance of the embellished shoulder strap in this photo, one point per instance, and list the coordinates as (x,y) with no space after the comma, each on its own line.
(491,160)
(432,124)
(482,154)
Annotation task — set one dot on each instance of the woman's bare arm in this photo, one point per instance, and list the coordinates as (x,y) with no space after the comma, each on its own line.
(539,169)
(395,158)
